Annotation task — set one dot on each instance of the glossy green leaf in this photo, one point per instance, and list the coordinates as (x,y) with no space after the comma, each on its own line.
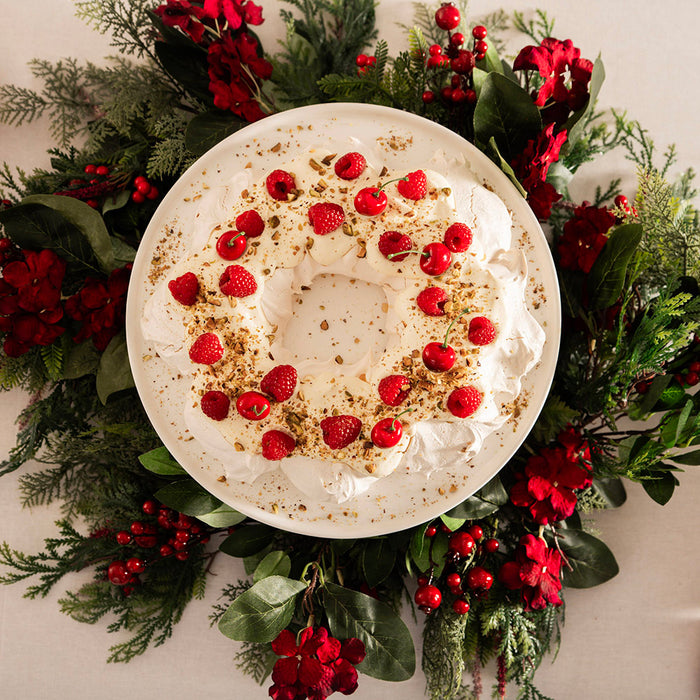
(688,458)
(606,280)
(612,491)
(660,490)
(187,65)
(491,62)
(576,123)
(427,552)
(247,540)
(114,370)
(206,130)
(506,167)
(80,360)
(188,497)
(452,523)
(275,563)
(484,502)
(654,393)
(378,558)
(223,516)
(263,611)
(388,643)
(159,461)
(592,561)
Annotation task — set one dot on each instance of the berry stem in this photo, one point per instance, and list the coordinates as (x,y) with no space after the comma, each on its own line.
(406,252)
(454,320)
(381,187)
(230,244)
(397,416)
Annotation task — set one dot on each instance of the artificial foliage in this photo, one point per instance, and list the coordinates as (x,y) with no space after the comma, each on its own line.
(488,577)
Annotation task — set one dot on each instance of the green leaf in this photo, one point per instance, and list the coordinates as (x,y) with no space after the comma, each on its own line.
(114,371)
(576,123)
(559,176)
(116,202)
(452,523)
(661,489)
(187,65)
(654,393)
(274,564)
(606,280)
(378,558)
(160,462)
(484,502)
(612,491)
(206,130)
(506,167)
(81,359)
(428,551)
(187,496)
(247,540)
(593,563)
(672,396)
(505,112)
(263,611)
(491,62)
(223,516)
(688,458)
(388,643)
(123,252)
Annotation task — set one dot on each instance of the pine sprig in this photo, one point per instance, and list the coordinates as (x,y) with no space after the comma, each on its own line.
(537,28)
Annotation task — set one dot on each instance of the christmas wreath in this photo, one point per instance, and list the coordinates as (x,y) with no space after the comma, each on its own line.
(488,576)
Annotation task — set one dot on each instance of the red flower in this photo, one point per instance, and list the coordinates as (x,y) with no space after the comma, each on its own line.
(315,667)
(234,12)
(182,14)
(584,237)
(552,60)
(535,571)
(547,485)
(30,300)
(540,198)
(100,306)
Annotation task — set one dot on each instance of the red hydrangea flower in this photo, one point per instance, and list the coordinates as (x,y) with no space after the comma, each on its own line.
(536,571)
(541,198)
(234,12)
(584,237)
(30,300)
(553,60)
(185,15)
(316,667)
(547,485)
(232,88)
(100,306)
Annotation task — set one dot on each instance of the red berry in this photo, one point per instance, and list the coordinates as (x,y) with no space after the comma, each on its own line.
(90,169)
(93,203)
(236,281)
(462,402)
(428,97)
(463,63)
(694,367)
(691,378)
(207,349)
(350,166)
(231,245)
(280,382)
(326,217)
(458,96)
(394,389)
(118,574)
(370,201)
(622,202)
(149,507)
(277,445)
(215,405)
(251,223)
(279,184)
(136,527)
(435,50)
(478,577)
(138,197)
(431,531)
(361,60)
(153,194)
(431,301)
(144,187)
(135,565)
(182,536)
(457,39)
(438,357)
(447,17)
(471,96)
(422,580)
(392,243)
(146,541)
(435,259)
(461,606)
(182,555)
(461,543)
(340,431)
(476,531)
(434,61)
(428,598)
(387,432)
(185,288)
(415,186)
(139,178)
(102,170)
(481,331)
(491,545)
(446,94)
(479,32)
(453,580)
(480,47)
(252,405)
(455,82)
(123,537)
(458,237)
(165,550)
(184,522)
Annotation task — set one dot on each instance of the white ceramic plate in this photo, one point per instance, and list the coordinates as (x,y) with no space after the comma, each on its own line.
(398,501)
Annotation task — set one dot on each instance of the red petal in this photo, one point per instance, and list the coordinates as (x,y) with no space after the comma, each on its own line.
(329,650)
(345,680)
(563,502)
(314,675)
(286,671)
(509,575)
(519,495)
(534,548)
(353,650)
(285,644)
(539,487)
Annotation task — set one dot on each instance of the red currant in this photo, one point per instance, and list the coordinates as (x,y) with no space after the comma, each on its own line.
(144,187)
(480,47)
(463,63)
(478,577)
(461,606)
(135,565)
(184,522)
(479,32)
(182,556)
(102,170)
(453,580)
(431,531)
(447,17)
(90,169)
(457,39)
(435,50)
(152,193)
(138,197)
(137,528)
(476,531)
(428,598)
(491,545)
(123,537)
(461,543)
(182,536)
(165,550)
(361,60)
(428,97)
(118,574)
(149,507)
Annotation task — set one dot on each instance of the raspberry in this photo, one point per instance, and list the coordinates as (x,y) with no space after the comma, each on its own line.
(458,237)
(394,389)
(326,217)
(392,242)
(236,281)
(464,401)
(280,382)
(340,431)
(215,405)
(184,288)
(431,301)
(251,223)
(481,331)
(207,349)
(279,183)
(277,445)
(415,186)
(350,166)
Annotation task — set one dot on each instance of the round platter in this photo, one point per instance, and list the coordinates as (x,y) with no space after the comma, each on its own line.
(400,500)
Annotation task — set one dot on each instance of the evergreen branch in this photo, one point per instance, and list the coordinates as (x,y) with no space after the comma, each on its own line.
(443,653)
(20,105)
(538,28)
(255,660)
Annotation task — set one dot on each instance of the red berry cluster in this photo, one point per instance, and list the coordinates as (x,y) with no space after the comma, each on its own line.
(173,533)
(455,57)
(364,62)
(622,203)
(464,574)
(93,188)
(143,190)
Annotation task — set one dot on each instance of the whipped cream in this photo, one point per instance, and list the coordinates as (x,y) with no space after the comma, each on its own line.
(390,331)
